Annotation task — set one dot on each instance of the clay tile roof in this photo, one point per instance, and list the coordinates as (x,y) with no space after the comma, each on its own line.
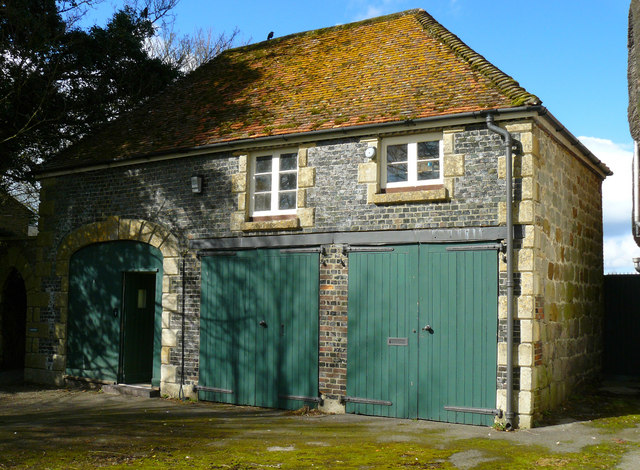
(392,68)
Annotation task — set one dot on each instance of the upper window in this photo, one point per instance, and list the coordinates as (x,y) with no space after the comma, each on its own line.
(274,183)
(411,161)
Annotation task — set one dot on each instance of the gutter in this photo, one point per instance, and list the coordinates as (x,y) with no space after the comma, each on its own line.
(289,139)
(508,145)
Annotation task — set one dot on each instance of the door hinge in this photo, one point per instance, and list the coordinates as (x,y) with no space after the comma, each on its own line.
(486,247)
(481,411)
(201,388)
(365,401)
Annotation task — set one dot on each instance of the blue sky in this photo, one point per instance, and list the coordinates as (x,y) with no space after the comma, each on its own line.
(571,54)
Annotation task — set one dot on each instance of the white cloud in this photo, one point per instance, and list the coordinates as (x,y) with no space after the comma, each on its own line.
(371,12)
(619,246)
(370,9)
(618,254)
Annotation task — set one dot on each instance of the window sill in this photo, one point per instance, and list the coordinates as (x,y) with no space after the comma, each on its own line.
(398,196)
(267,223)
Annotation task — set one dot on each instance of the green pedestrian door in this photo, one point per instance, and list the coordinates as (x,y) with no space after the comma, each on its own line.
(259,328)
(115,313)
(422,333)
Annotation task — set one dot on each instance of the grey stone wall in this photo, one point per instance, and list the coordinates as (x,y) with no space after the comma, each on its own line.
(160,193)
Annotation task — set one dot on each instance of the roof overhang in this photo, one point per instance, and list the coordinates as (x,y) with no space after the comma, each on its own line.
(537,112)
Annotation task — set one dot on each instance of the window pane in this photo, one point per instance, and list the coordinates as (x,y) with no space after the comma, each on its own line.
(263,202)
(288,181)
(397,153)
(428,170)
(397,173)
(287,200)
(428,150)
(263,164)
(263,183)
(288,161)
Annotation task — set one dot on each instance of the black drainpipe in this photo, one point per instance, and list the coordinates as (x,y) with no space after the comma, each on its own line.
(509,201)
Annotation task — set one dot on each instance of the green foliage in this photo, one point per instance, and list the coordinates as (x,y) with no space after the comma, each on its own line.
(59,83)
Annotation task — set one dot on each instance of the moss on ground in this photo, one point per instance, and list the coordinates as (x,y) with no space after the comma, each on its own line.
(210,436)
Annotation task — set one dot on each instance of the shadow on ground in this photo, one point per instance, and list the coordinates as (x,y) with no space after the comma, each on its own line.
(62,428)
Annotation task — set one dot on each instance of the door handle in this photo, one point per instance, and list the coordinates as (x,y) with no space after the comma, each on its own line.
(428,328)
(263,323)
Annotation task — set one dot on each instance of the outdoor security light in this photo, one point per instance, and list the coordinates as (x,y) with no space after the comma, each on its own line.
(370,152)
(196,184)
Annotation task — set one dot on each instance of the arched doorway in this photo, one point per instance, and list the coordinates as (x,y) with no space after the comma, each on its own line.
(115,313)
(13,314)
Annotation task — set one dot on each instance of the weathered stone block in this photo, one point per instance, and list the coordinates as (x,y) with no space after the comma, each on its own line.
(170,302)
(525,354)
(239,182)
(306,177)
(526,378)
(453,165)
(440,194)
(302,198)
(287,224)
(242,163)
(165,355)
(237,221)
(303,157)
(168,373)
(306,216)
(525,402)
(169,338)
(171,266)
(367,172)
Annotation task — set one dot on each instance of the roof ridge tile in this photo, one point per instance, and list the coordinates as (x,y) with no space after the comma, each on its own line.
(507,84)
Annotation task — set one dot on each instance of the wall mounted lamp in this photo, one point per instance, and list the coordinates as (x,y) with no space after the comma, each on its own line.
(636,264)
(196,184)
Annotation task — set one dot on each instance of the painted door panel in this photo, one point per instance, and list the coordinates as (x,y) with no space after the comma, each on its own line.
(383,305)
(137,327)
(96,276)
(259,328)
(445,305)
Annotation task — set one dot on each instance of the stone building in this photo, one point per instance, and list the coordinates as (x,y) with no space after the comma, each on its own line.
(633,76)
(370,217)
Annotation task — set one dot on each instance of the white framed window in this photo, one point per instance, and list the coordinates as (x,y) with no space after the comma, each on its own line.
(409,161)
(274,183)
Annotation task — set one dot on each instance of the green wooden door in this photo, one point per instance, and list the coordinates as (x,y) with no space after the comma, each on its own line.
(137,327)
(94,326)
(422,333)
(259,328)
(458,353)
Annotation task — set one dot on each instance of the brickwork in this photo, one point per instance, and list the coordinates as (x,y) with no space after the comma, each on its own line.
(333,322)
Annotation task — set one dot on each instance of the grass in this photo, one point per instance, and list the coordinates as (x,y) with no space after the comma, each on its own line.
(213,436)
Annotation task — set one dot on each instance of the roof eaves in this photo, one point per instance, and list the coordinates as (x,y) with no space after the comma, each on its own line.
(506,84)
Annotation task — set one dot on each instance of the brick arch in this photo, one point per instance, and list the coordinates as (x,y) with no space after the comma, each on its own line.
(120,229)
(117,229)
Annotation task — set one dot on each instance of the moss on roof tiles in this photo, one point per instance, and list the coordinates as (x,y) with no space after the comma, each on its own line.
(379,70)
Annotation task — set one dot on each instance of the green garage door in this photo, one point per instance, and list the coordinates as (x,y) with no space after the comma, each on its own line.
(259,328)
(422,333)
